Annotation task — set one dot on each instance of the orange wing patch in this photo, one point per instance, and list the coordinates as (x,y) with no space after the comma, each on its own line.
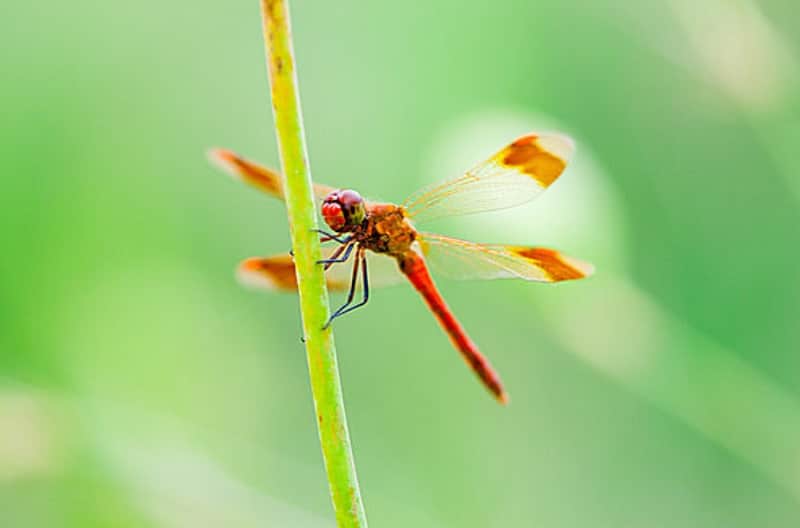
(542,158)
(272,273)
(277,273)
(247,171)
(257,175)
(557,266)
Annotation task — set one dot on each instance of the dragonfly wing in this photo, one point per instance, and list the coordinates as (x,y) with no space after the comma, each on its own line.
(382,270)
(459,259)
(256,175)
(516,174)
(277,272)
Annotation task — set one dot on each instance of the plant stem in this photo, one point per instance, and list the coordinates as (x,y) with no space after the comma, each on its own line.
(320,351)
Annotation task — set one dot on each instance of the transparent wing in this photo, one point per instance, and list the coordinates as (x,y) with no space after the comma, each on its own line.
(516,174)
(277,272)
(256,175)
(459,259)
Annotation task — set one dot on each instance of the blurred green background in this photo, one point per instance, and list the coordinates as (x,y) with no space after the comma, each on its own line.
(140,385)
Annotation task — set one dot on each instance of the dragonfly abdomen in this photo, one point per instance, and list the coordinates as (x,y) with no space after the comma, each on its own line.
(415,269)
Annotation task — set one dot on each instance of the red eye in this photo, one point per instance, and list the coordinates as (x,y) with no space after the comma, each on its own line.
(350,199)
(333,215)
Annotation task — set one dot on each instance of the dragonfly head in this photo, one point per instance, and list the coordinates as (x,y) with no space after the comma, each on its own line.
(343,210)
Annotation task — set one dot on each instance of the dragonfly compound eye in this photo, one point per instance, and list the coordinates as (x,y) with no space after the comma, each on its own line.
(352,206)
(333,215)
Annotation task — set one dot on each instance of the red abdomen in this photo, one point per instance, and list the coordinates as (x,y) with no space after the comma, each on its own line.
(414,267)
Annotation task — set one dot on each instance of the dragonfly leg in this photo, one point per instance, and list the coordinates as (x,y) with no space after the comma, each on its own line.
(350,294)
(341,241)
(331,236)
(328,237)
(333,256)
(346,308)
(334,259)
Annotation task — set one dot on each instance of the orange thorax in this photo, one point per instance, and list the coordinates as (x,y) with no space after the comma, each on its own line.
(386,230)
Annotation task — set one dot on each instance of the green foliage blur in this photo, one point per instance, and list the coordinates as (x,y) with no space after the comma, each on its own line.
(142,386)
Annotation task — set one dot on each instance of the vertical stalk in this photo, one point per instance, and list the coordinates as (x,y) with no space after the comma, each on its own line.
(320,351)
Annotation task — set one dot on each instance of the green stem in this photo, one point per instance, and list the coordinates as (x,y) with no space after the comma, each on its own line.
(320,351)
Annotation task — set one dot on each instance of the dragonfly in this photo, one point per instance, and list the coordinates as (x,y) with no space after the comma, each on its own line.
(386,246)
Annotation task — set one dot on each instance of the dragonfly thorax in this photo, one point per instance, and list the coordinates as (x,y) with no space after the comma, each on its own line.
(343,210)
